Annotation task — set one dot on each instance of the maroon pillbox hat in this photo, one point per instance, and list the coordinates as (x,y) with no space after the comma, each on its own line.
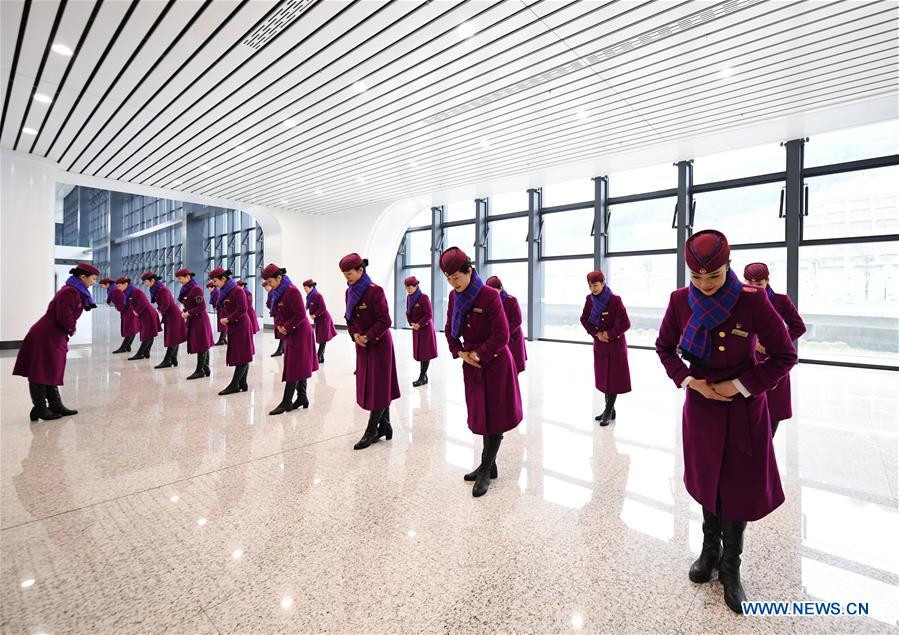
(351,261)
(756,271)
(411,281)
(495,282)
(706,251)
(271,270)
(452,260)
(596,276)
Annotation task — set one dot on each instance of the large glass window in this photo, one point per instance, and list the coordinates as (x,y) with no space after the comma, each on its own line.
(515,281)
(775,258)
(864,142)
(863,203)
(507,239)
(568,192)
(849,299)
(461,236)
(421,219)
(642,225)
(744,215)
(563,298)
(651,179)
(509,202)
(567,233)
(460,210)
(735,164)
(418,248)
(645,284)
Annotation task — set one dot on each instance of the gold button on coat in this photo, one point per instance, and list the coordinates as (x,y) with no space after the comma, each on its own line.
(720,348)
(721,334)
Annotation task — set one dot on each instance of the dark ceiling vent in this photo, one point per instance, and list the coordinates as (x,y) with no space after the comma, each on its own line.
(280,20)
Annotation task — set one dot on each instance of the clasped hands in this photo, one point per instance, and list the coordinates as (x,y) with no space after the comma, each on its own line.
(603,336)
(415,327)
(360,339)
(282,330)
(470,357)
(722,391)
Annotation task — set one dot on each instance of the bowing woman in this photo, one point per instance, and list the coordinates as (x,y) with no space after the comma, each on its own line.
(605,320)
(368,322)
(324,325)
(148,319)
(120,296)
(116,298)
(42,356)
(175,328)
(477,331)
(271,312)
(251,310)
(729,463)
(780,405)
(214,296)
(232,307)
(420,315)
(300,359)
(513,315)
(199,331)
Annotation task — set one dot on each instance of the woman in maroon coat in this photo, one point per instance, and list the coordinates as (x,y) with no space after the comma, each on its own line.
(477,331)
(513,315)
(116,298)
(199,331)
(120,296)
(324,325)
(605,320)
(175,332)
(780,405)
(420,315)
(368,321)
(214,295)
(300,360)
(729,463)
(251,308)
(271,312)
(232,306)
(148,319)
(42,356)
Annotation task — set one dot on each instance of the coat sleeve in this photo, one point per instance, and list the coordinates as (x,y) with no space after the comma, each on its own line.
(795,325)
(141,302)
(427,311)
(294,304)
(513,313)
(238,309)
(351,327)
(455,345)
(67,311)
(585,315)
(382,315)
(499,329)
(622,321)
(318,306)
(666,345)
(768,325)
(165,301)
(192,306)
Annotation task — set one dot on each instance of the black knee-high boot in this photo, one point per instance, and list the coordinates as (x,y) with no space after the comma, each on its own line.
(423,375)
(774,425)
(321,353)
(143,351)
(54,399)
(729,573)
(473,475)
(371,430)
(39,403)
(244,386)
(170,358)
(384,428)
(202,363)
(302,396)
(609,413)
(234,386)
(126,345)
(280,350)
(223,339)
(287,400)
(709,557)
(491,448)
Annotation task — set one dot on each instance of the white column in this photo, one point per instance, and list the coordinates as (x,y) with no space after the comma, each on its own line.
(27,231)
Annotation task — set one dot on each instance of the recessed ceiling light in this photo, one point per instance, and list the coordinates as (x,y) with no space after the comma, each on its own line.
(284,203)
(177,182)
(359,87)
(174,498)
(202,521)
(204,167)
(286,602)
(466,29)
(31,131)
(725,72)
(318,192)
(27,583)
(290,123)
(237,553)
(360,180)
(241,148)
(62,49)
(485,143)
(42,98)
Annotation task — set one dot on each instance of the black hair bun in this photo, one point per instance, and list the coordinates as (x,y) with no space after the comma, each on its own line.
(228,273)
(282,271)
(365,262)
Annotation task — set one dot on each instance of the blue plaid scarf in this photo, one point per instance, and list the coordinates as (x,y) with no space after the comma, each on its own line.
(275,294)
(87,300)
(185,288)
(355,293)
(600,304)
(503,295)
(310,296)
(224,291)
(770,292)
(411,299)
(128,291)
(155,289)
(707,312)
(463,303)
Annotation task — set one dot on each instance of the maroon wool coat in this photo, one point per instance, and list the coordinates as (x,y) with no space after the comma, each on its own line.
(251,313)
(610,367)
(130,324)
(147,317)
(199,331)
(424,340)
(324,325)
(516,335)
(727,445)
(213,302)
(300,357)
(780,405)
(175,326)
(42,356)
(240,334)
(491,391)
(376,379)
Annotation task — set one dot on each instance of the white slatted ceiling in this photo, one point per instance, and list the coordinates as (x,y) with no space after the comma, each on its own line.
(789,57)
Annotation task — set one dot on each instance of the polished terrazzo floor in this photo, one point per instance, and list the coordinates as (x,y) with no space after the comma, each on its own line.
(162,507)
